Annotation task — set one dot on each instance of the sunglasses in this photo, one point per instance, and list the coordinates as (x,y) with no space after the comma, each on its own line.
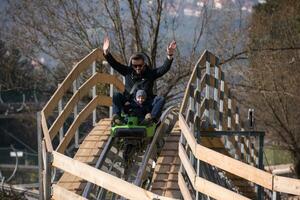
(136,66)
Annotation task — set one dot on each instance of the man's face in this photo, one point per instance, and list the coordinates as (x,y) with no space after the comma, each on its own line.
(138,65)
(140,99)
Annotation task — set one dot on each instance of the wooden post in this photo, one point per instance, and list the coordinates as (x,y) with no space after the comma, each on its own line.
(76,114)
(60,107)
(216,94)
(46,172)
(207,88)
(197,120)
(260,165)
(94,94)
(229,111)
(40,156)
(111,91)
(274,195)
(190,120)
(221,108)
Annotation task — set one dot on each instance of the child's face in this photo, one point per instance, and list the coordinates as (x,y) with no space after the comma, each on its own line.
(140,99)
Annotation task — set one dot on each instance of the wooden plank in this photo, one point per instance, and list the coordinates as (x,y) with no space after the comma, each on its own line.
(187,165)
(102,100)
(224,162)
(215,191)
(81,92)
(204,186)
(168,159)
(68,81)
(192,79)
(46,133)
(286,185)
(183,188)
(102,179)
(211,142)
(61,193)
(170,185)
(186,132)
(236,167)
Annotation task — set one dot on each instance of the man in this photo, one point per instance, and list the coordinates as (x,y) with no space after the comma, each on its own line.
(138,76)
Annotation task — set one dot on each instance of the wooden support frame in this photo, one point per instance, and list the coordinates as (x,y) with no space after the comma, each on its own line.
(96,54)
(102,179)
(248,172)
(224,162)
(287,185)
(183,188)
(61,193)
(81,92)
(206,187)
(98,100)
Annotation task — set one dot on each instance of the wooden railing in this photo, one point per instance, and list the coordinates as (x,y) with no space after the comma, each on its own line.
(208,105)
(52,156)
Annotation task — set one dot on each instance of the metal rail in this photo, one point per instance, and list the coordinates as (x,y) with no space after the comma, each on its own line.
(99,163)
(150,148)
(149,151)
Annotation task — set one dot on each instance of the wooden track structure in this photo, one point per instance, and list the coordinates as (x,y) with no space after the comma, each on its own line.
(193,162)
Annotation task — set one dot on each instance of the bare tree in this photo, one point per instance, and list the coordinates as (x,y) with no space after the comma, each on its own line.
(273,79)
(64,31)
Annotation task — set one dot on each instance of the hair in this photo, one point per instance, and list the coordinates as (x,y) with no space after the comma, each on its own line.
(137,56)
(140,56)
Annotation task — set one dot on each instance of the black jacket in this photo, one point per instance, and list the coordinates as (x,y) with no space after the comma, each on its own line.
(137,109)
(146,79)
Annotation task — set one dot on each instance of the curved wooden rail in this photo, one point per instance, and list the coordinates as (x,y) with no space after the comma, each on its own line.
(74,167)
(193,110)
(82,91)
(80,67)
(198,105)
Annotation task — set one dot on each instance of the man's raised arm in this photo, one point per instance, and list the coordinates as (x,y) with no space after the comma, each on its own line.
(160,71)
(122,69)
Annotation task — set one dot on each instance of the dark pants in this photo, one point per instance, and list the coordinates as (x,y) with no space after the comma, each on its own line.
(157,104)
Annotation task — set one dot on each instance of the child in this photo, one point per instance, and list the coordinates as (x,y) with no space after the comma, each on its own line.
(141,108)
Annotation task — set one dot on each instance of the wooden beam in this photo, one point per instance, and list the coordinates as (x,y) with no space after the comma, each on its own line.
(234,166)
(98,100)
(103,179)
(286,185)
(60,193)
(187,134)
(192,79)
(81,92)
(206,187)
(187,164)
(46,133)
(183,188)
(224,162)
(215,191)
(96,54)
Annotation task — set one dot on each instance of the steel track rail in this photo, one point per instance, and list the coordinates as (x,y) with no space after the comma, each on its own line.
(151,147)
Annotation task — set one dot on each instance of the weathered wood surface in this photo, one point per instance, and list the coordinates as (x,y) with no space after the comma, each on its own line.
(88,153)
(165,177)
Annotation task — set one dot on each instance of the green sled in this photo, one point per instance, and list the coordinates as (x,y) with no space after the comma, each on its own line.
(131,129)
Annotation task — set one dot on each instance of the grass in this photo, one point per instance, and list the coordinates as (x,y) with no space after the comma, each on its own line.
(275,155)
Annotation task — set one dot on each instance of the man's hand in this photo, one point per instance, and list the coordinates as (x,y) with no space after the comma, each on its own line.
(171,48)
(105,45)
